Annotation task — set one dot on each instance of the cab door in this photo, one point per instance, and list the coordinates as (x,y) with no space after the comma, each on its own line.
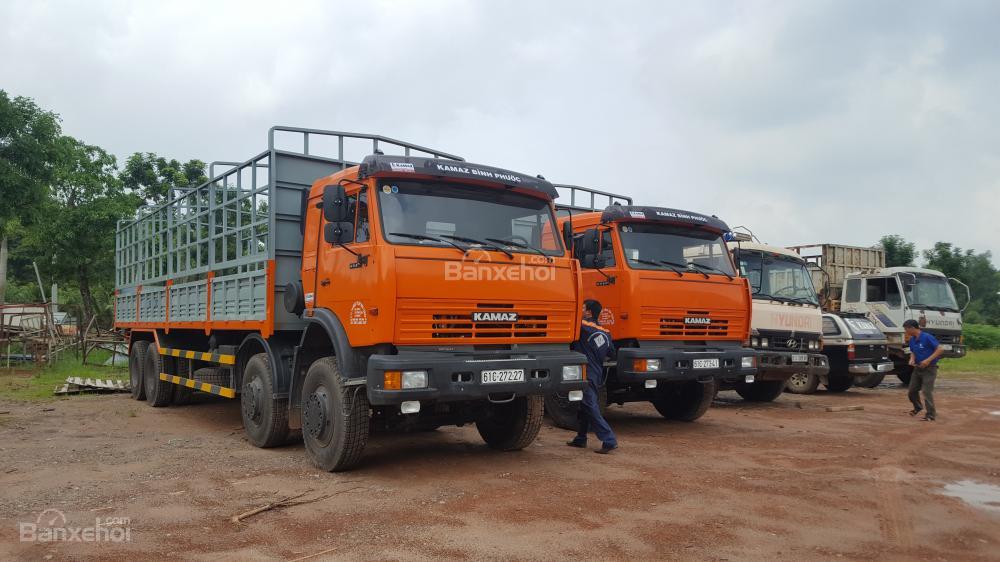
(347,275)
(598,286)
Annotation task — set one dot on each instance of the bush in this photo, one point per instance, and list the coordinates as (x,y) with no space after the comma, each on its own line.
(981,336)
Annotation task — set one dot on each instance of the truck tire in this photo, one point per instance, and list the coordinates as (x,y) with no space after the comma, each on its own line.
(265,418)
(904,373)
(762,391)
(513,425)
(335,418)
(563,413)
(802,383)
(686,401)
(136,359)
(839,382)
(870,381)
(158,393)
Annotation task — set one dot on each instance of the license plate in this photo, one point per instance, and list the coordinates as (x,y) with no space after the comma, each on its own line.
(706,363)
(503,375)
(946,346)
(800,358)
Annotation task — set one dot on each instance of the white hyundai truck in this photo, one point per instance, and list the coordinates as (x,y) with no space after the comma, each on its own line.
(856,280)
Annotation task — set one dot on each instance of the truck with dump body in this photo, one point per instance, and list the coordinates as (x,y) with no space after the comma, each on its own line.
(677,311)
(786,328)
(412,290)
(855,279)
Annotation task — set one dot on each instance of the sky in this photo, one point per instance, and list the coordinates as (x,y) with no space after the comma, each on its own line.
(807,121)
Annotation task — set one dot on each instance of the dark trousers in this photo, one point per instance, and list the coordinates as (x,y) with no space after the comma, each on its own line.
(923,379)
(590,418)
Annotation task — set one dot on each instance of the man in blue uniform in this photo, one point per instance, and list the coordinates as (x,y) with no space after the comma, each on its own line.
(924,353)
(595,343)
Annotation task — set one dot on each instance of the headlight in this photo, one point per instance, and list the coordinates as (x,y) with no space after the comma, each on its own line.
(747,362)
(652,364)
(813,344)
(572,373)
(414,379)
(763,342)
(645,365)
(754,342)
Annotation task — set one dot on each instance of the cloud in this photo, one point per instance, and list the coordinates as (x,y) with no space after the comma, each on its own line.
(809,122)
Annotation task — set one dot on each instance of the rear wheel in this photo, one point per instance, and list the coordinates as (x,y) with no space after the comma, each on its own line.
(762,391)
(158,393)
(136,359)
(335,418)
(839,383)
(870,381)
(513,425)
(802,383)
(904,373)
(686,401)
(265,418)
(563,413)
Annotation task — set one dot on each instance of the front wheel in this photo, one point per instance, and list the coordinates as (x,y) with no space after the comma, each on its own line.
(761,391)
(564,414)
(839,383)
(513,425)
(686,401)
(335,418)
(802,383)
(870,381)
(904,373)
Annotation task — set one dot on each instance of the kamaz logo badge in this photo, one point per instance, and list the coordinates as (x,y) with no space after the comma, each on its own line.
(697,321)
(506,317)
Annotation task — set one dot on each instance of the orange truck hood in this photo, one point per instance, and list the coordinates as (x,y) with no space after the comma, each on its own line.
(661,302)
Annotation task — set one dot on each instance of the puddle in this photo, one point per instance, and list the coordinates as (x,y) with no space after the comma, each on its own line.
(996,413)
(983,496)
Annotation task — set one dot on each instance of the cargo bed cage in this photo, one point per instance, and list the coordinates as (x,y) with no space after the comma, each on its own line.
(219,255)
(591,199)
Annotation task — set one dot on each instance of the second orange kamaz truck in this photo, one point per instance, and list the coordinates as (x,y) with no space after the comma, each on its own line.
(676,308)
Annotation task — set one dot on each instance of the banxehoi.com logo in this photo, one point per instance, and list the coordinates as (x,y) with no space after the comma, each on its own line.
(482,268)
(51,526)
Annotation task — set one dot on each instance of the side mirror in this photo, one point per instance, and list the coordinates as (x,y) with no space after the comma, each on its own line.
(589,245)
(908,279)
(335,204)
(567,234)
(338,233)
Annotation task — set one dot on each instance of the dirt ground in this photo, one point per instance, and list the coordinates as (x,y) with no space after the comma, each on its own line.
(781,481)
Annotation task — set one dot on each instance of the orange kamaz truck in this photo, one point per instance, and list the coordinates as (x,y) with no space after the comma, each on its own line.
(410,290)
(677,310)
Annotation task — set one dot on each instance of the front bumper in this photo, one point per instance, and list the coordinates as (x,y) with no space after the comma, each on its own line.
(458,376)
(677,365)
(778,365)
(863,369)
(956,350)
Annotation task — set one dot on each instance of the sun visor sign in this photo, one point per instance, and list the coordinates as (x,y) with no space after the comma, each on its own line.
(440,167)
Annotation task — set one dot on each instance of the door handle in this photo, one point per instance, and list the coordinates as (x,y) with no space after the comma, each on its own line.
(324,282)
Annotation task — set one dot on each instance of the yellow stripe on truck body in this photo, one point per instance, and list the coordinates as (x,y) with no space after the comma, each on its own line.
(200,356)
(223,391)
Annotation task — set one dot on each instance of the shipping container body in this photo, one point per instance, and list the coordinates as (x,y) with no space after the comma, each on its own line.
(305,258)
(678,328)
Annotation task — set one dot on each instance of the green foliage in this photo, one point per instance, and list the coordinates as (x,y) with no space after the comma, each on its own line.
(976,271)
(898,252)
(39,385)
(28,136)
(981,336)
(153,176)
(980,364)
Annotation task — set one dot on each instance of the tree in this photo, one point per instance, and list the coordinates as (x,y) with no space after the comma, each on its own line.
(76,241)
(153,176)
(976,271)
(898,252)
(27,143)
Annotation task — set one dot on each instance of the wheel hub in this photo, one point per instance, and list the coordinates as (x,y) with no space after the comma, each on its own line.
(798,379)
(252,407)
(315,417)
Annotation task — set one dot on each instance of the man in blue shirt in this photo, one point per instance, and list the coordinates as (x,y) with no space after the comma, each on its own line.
(924,353)
(595,343)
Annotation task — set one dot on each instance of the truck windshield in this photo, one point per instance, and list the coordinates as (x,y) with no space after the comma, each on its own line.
(439,214)
(778,278)
(661,246)
(930,291)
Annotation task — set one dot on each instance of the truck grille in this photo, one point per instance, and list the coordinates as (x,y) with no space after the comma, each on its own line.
(659,323)
(435,322)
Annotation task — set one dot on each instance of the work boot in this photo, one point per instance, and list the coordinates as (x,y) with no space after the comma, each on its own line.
(605,449)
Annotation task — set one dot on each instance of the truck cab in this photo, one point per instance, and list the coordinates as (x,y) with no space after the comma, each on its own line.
(890,296)
(786,329)
(677,311)
(856,349)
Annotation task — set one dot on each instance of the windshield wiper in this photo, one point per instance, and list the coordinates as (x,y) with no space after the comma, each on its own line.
(480,242)
(684,266)
(522,246)
(464,249)
(710,268)
(659,264)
